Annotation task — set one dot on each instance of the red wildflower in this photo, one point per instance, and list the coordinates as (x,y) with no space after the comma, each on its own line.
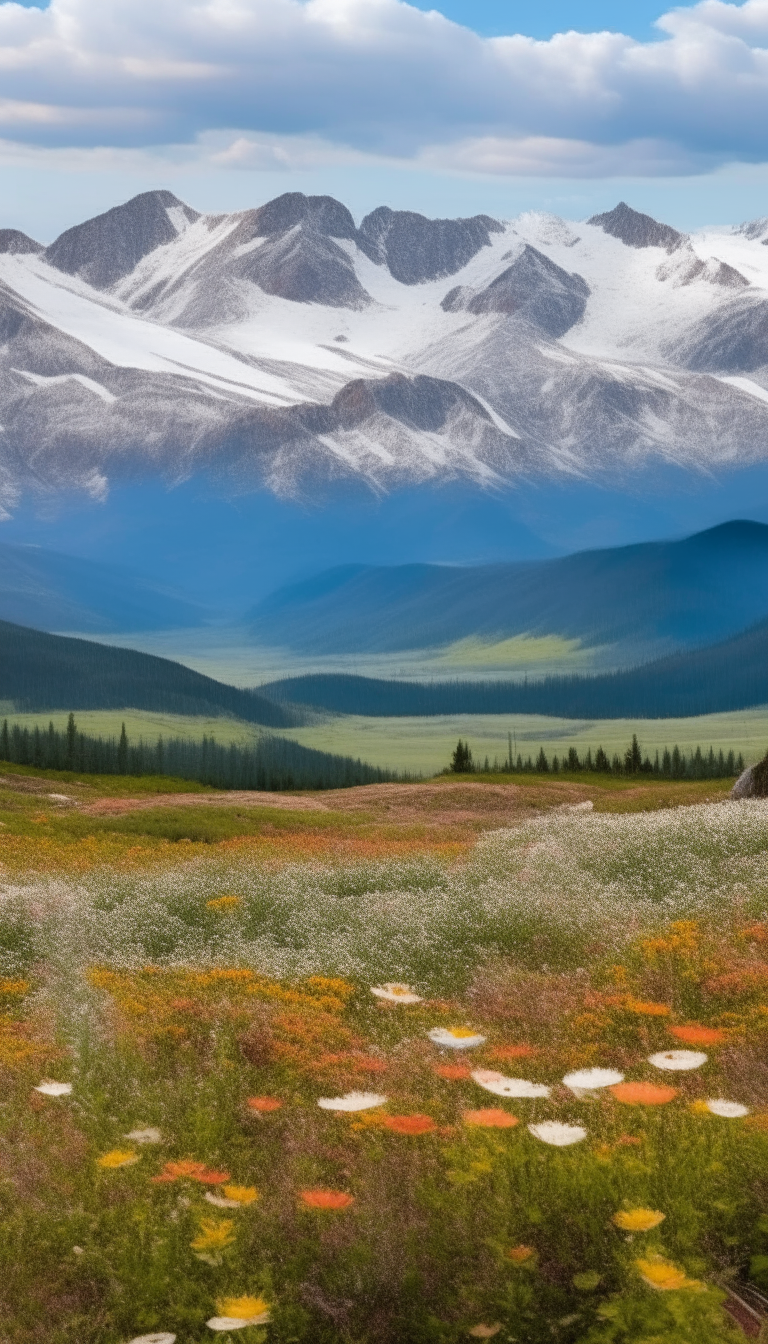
(190,1171)
(453,1072)
(264,1104)
(327,1199)
(502,1052)
(643,1094)
(409,1124)
(693,1034)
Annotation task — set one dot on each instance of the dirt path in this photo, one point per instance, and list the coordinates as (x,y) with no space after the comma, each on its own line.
(118,807)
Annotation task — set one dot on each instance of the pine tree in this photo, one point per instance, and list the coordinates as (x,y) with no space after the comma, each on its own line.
(601,761)
(633,760)
(461,761)
(122,752)
(542,764)
(71,740)
(5,744)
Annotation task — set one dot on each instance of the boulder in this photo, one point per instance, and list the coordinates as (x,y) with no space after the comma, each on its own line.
(752,782)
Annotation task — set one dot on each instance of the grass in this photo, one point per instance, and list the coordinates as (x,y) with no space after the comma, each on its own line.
(424,745)
(169,995)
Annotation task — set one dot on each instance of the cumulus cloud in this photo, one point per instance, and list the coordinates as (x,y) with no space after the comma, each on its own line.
(307,80)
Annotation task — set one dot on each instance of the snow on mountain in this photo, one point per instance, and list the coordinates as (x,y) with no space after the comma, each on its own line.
(286,345)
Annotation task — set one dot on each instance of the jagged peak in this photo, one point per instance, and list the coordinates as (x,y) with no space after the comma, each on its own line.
(636,229)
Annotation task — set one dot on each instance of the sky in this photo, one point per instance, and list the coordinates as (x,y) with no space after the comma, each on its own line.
(452,108)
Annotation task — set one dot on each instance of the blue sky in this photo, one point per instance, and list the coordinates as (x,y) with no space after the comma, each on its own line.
(541,19)
(448,110)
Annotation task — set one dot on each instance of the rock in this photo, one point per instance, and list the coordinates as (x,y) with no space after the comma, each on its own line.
(752,782)
(744,786)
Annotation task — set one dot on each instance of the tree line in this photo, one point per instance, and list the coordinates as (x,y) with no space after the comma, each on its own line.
(271,763)
(42,671)
(723,677)
(674,764)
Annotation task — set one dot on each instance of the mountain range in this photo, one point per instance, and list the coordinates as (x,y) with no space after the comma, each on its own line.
(644,600)
(288,348)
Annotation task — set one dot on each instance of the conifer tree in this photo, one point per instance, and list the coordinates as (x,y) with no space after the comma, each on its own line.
(461,761)
(71,740)
(122,752)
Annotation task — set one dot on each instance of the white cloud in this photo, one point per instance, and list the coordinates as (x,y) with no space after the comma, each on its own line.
(276,83)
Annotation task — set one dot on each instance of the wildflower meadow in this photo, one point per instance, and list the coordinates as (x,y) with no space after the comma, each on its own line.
(517,1089)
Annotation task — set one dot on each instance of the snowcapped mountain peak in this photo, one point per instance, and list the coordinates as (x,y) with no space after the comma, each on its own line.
(107,248)
(637,230)
(287,345)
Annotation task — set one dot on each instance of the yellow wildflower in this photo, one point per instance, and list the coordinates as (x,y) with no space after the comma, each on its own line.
(117,1157)
(241,1194)
(665,1277)
(244,1309)
(638,1220)
(224,903)
(214,1235)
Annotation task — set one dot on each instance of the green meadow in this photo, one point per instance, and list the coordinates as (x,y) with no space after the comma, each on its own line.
(424,745)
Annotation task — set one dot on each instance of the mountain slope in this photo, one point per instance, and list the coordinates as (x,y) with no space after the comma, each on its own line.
(41,672)
(658,595)
(61,592)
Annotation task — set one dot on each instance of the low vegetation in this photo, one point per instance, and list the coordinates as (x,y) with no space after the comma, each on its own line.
(183,1048)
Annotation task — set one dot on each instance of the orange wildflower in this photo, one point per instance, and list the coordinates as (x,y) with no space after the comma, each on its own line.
(521,1254)
(187,1170)
(264,1104)
(643,1009)
(409,1124)
(453,1072)
(491,1118)
(326,1199)
(643,1094)
(693,1034)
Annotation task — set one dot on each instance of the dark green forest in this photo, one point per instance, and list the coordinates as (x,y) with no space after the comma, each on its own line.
(273,763)
(727,676)
(674,764)
(41,671)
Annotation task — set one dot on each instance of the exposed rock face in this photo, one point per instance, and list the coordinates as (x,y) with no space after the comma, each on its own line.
(534,288)
(108,247)
(637,230)
(13,240)
(734,339)
(684,267)
(416,249)
(321,213)
(298,259)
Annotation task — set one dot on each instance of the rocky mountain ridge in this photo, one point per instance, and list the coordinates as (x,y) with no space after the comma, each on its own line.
(287,346)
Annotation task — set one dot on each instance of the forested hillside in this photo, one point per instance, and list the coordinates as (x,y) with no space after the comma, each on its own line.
(41,671)
(726,676)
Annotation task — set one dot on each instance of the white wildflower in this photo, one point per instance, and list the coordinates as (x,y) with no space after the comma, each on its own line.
(678,1060)
(559,1135)
(508,1087)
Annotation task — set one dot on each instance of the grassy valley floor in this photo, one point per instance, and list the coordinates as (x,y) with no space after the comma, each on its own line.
(424,745)
(211,1125)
